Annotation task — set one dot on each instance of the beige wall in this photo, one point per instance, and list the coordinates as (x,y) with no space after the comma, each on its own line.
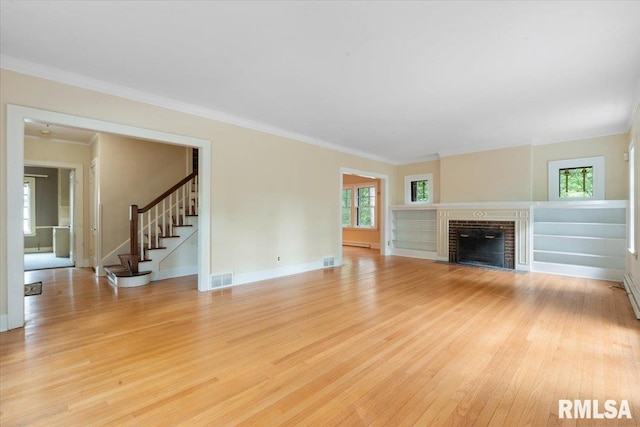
(270,196)
(47,150)
(133,172)
(611,147)
(487,176)
(363,235)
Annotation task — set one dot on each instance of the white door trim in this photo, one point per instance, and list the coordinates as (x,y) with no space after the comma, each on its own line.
(384,208)
(15,170)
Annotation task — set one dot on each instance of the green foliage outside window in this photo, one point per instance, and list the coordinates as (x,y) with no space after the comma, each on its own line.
(576,182)
(358,207)
(366,204)
(346,207)
(420,191)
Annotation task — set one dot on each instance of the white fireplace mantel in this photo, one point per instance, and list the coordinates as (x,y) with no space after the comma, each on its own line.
(519,213)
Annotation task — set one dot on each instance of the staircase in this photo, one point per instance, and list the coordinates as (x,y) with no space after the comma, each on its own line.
(156,231)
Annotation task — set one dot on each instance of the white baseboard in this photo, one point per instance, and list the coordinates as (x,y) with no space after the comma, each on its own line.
(634,294)
(38,250)
(361,244)
(414,253)
(4,323)
(257,276)
(176,272)
(578,271)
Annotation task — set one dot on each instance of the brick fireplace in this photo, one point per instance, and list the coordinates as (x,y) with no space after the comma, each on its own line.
(507,227)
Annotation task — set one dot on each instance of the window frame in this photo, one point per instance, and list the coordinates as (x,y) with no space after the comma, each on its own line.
(354,206)
(350,207)
(597,163)
(631,236)
(30,181)
(407,188)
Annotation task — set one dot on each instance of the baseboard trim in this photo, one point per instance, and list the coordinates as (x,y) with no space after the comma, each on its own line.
(612,274)
(4,323)
(634,294)
(176,272)
(361,244)
(38,250)
(258,276)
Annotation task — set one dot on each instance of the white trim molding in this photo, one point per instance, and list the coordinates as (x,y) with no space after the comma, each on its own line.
(3,323)
(274,273)
(634,294)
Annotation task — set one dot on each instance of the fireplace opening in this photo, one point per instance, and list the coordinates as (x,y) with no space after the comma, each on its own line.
(481,246)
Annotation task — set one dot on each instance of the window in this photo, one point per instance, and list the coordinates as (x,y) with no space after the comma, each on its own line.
(359,206)
(347,195)
(576,179)
(366,207)
(576,182)
(418,189)
(29,206)
(632,198)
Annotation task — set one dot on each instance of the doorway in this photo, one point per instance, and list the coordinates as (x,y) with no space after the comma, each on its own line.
(16,116)
(52,202)
(364,204)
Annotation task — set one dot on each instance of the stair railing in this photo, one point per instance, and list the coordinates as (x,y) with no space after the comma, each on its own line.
(175,203)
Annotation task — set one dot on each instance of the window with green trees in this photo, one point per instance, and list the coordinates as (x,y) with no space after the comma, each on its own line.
(576,179)
(346,206)
(359,206)
(366,206)
(576,182)
(420,191)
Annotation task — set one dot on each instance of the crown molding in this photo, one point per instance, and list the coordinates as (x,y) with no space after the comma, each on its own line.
(616,130)
(634,106)
(60,76)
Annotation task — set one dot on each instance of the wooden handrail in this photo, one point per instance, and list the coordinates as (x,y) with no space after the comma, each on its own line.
(166,193)
(133,219)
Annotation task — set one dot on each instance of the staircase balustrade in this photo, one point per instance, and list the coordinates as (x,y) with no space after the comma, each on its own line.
(175,203)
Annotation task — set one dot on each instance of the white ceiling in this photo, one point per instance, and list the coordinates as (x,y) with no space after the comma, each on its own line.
(54,132)
(399,81)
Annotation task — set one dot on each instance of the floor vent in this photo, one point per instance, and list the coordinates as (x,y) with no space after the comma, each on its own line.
(221,280)
(329,262)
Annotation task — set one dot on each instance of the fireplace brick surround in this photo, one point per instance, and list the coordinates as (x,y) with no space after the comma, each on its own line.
(509,237)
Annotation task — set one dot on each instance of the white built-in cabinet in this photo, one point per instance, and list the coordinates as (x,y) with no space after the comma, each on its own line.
(580,239)
(414,231)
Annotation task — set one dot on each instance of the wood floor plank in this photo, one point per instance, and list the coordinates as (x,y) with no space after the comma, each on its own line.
(386,341)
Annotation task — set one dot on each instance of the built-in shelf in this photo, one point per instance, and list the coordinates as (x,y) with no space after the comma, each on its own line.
(414,231)
(581,240)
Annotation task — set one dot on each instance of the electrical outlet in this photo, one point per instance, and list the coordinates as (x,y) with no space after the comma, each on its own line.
(278,258)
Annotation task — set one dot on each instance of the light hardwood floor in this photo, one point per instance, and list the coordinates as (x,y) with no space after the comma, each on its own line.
(380,341)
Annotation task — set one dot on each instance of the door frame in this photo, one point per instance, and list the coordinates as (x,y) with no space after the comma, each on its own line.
(384,208)
(16,116)
(95,217)
(78,204)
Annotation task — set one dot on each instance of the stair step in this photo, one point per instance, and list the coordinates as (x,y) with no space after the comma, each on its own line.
(122,271)
(159,247)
